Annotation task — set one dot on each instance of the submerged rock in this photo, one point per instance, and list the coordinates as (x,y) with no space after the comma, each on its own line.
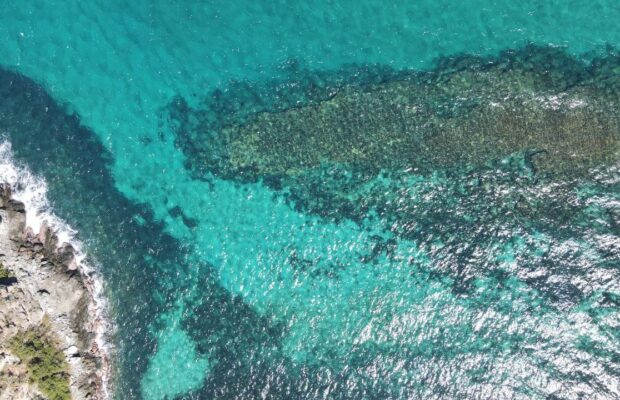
(555,112)
(479,156)
(468,111)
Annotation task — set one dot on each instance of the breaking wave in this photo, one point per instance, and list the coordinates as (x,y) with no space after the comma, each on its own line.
(31,190)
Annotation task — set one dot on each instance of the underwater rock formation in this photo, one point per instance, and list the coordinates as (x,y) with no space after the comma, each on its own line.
(468,110)
(489,128)
(483,193)
(477,151)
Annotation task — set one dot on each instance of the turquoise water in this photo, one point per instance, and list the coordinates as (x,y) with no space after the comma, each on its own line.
(225,288)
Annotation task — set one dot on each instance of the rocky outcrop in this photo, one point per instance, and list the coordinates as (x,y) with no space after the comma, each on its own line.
(48,288)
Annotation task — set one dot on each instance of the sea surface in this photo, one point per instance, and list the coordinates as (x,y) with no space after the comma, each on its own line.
(331,199)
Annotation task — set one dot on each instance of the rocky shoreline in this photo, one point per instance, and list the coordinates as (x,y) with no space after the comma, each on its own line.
(48,288)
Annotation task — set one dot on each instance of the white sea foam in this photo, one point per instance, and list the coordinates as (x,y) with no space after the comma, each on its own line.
(32,191)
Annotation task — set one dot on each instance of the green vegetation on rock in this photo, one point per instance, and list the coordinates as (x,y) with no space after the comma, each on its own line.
(6,276)
(46,364)
(5,273)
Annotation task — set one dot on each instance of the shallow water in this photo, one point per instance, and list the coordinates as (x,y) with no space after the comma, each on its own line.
(476,280)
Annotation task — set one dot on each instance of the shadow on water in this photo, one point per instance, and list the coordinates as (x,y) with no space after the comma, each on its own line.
(141,264)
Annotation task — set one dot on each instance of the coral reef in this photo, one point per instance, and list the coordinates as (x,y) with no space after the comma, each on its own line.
(557,110)
(6,276)
(433,156)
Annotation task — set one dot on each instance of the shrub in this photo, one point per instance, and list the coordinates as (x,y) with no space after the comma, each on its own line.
(6,276)
(46,364)
(5,273)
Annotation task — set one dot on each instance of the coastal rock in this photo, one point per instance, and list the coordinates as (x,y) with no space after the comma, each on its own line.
(5,194)
(15,206)
(45,233)
(72,351)
(48,290)
(15,218)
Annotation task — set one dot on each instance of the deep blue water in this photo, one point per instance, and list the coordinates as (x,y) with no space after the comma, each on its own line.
(337,200)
